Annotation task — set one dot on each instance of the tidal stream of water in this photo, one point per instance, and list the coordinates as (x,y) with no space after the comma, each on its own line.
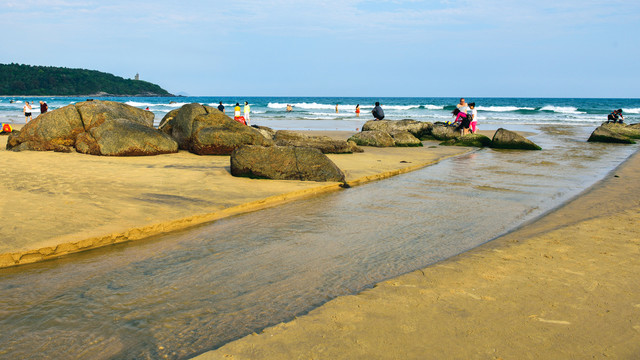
(181,294)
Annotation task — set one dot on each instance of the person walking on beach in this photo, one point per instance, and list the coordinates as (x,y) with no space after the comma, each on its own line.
(377,112)
(44,107)
(474,117)
(27,112)
(358,110)
(221,107)
(247,113)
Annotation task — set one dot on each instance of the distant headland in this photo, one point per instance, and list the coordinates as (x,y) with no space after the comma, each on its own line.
(18,79)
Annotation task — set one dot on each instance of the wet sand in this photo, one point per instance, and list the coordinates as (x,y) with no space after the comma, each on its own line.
(59,203)
(565,286)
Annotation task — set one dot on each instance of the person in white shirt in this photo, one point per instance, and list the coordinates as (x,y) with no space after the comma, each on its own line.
(27,112)
(474,117)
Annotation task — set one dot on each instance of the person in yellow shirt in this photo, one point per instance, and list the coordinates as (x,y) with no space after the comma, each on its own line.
(247,111)
(236,110)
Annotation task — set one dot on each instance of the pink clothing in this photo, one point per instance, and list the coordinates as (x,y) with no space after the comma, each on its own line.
(460,114)
(474,126)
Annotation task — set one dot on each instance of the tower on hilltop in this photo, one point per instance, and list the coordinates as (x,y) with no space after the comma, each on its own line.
(137,76)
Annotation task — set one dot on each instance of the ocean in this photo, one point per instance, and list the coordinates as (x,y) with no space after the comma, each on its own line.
(318,113)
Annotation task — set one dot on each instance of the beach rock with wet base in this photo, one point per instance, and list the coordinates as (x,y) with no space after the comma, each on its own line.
(375,138)
(284,163)
(444,132)
(470,140)
(405,138)
(505,139)
(418,129)
(323,143)
(606,134)
(94,127)
(628,131)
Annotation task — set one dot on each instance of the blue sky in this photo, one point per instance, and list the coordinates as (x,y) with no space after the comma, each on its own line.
(454,48)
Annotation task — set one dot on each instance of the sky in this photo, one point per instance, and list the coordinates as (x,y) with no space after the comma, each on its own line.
(449,48)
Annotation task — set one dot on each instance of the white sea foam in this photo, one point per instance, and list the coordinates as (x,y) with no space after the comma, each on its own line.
(562,109)
(434,107)
(631,111)
(503,108)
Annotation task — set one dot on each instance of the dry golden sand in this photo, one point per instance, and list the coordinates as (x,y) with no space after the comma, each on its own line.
(56,203)
(563,287)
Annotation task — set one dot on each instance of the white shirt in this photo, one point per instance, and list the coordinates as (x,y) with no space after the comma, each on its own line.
(474,112)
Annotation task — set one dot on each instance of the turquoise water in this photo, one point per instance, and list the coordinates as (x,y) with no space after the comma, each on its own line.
(318,113)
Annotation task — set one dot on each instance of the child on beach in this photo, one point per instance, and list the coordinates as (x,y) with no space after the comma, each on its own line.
(474,117)
(358,110)
(247,111)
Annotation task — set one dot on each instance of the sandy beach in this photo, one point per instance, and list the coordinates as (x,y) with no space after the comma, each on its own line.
(562,287)
(60,203)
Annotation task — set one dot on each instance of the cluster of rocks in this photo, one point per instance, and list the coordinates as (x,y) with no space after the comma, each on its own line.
(616,133)
(96,128)
(387,133)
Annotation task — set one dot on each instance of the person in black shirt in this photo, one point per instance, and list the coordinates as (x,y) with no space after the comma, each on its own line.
(43,107)
(377,112)
(221,107)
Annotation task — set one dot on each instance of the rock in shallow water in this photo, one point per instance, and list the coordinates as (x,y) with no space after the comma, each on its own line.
(284,163)
(505,139)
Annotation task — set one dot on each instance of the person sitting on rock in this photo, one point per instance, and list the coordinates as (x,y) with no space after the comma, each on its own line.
(377,112)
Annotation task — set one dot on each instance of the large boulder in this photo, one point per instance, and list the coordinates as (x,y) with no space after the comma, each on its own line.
(124,137)
(505,139)
(373,138)
(54,130)
(181,124)
(323,143)
(629,131)
(217,134)
(470,140)
(604,134)
(94,127)
(418,129)
(95,112)
(405,138)
(444,132)
(284,163)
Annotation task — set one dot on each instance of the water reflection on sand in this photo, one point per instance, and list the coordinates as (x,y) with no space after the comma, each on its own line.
(191,291)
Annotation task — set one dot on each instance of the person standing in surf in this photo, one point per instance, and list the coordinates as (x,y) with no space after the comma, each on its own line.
(358,110)
(27,112)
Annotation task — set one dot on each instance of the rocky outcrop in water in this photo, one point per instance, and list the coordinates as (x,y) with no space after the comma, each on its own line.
(204,130)
(470,140)
(375,138)
(94,127)
(505,139)
(323,143)
(613,133)
(284,163)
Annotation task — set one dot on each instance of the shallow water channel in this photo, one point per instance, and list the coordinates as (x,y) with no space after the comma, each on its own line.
(180,294)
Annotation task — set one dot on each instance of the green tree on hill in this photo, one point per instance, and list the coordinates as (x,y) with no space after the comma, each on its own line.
(17,79)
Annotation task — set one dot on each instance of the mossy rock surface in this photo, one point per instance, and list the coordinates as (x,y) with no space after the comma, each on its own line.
(505,139)
(605,135)
(471,140)
(629,131)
